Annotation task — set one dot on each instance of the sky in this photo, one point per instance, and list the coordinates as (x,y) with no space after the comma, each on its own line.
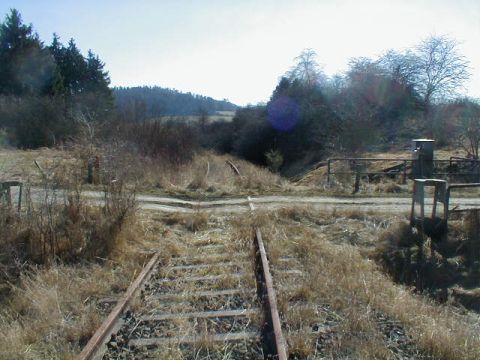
(238,49)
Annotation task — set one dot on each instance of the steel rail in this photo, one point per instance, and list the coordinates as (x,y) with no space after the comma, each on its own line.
(272,333)
(99,337)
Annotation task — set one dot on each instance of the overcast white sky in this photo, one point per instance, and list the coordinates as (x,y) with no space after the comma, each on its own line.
(239,49)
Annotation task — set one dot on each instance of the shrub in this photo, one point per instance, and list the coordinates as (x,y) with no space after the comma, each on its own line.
(274,160)
(175,142)
(59,225)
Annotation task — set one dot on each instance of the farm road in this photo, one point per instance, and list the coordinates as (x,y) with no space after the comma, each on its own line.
(390,205)
(272,202)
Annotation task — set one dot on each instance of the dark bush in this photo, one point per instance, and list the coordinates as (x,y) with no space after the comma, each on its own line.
(174,141)
(40,121)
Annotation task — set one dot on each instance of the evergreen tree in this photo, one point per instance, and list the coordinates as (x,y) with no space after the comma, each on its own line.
(96,97)
(27,67)
(46,88)
(73,69)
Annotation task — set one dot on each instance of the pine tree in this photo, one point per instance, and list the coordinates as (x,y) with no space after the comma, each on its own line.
(73,69)
(27,67)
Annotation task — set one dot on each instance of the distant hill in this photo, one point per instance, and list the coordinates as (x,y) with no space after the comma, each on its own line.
(144,102)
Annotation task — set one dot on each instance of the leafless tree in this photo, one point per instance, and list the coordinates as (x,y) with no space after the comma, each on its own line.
(442,70)
(469,132)
(470,137)
(306,68)
(402,67)
(434,69)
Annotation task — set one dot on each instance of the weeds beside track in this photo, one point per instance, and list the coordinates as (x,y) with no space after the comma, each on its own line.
(214,300)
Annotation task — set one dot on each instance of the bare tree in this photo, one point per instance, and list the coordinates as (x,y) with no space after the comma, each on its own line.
(402,67)
(306,68)
(434,69)
(469,122)
(442,71)
(470,137)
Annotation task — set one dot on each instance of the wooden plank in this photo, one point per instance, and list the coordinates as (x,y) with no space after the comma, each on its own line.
(194,339)
(209,293)
(209,258)
(99,336)
(205,266)
(207,246)
(203,278)
(199,314)
(289,272)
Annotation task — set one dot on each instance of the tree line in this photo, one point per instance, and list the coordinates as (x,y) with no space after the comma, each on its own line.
(144,102)
(46,91)
(377,103)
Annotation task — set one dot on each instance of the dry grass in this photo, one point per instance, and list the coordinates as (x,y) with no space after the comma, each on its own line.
(193,222)
(207,174)
(61,256)
(338,274)
(18,164)
(52,312)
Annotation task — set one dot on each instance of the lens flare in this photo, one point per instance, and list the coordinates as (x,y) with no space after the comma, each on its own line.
(283,113)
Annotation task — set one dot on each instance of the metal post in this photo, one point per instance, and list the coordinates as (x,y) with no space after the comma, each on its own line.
(20,191)
(9,196)
(357,179)
(474,241)
(435,199)
(404,179)
(420,165)
(328,172)
(412,211)
(478,170)
(90,171)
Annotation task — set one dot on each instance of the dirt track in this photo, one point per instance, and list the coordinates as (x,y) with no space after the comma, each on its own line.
(328,203)
(271,202)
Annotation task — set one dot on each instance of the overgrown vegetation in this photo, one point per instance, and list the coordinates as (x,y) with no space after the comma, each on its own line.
(60,255)
(355,306)
(447,267)
(51,312)
(49,93)
(59,225)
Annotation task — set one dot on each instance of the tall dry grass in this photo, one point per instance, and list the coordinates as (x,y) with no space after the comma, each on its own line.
(206,174)
(51,312)
(59,256)
(337,273)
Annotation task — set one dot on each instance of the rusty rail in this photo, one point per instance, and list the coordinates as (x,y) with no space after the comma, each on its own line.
(100,336)
(274,341)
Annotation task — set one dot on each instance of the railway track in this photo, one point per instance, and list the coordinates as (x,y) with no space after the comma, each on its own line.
(214,300)
(220,298)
